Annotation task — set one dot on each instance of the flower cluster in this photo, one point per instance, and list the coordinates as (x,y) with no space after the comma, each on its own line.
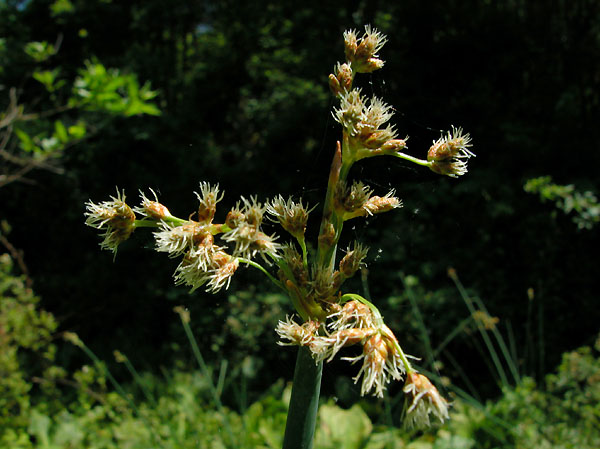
(114,217)
(355,323)
(204,263)
(449,154)
(359,201)
(364,120)
(381,357)
(423,400)
(211,252)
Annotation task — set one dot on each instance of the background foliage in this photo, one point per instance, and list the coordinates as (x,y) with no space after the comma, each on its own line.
(138,95)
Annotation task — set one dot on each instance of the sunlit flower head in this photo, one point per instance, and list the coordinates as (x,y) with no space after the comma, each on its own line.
(350,112)
(292,333)
(152,209)
(209,265)
(115,217)
(176,240)
(208,197)
(351,199)
(449,154)
(291,215)
(331,344)
(380,364)
(353,259)
(189,273)
(379,204)
(340,81)
(373,116)
(424,400)
(353,314)
(363,52)
(220,276)
(245,233)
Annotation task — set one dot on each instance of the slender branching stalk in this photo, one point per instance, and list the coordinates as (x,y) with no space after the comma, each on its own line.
(122,358)
(74,339)
(185,320)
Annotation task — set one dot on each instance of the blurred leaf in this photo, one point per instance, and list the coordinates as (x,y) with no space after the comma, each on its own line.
(61,132)
(342,428)
(61,7)
(48,79)
(39,51)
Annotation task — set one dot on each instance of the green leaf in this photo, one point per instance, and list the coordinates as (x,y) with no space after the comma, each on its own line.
(26,142)
(77,131)
(343,428)
(39,51)
(48,79)
(61,132)
(39,425)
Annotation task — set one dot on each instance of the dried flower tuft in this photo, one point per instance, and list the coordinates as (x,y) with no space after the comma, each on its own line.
(424,400)
(152,209)
(449,154)
(115,217)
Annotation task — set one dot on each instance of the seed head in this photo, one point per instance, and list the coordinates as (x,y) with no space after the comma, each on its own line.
(380,137)
(449,154)
(209,196)
(291,215)
(353,314)
(394,145)
(225,267)
(378,204)
(213,267)
(363,52)
(424,400)
(293,260)
(381,363)
(176,240)
(376,114)
(340,81)
(353,260)
(349,200)
(152,209)
(350,44)
(345,337)
(244,221)
(115,217)
(295,333)
(349,114)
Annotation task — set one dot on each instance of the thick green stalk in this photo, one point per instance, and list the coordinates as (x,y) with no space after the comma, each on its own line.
(304,403)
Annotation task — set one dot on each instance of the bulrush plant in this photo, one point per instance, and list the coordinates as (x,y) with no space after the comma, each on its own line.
(327,318)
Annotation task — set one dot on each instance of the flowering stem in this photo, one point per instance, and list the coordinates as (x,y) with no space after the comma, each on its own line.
(265,272)
(327,242)
(155,224)
(145,224)
(304,402)
(415,160)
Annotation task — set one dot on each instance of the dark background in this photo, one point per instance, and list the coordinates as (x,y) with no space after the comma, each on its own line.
(244,100)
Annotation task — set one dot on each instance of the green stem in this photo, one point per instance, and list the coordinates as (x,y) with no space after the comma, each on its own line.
(482,331)
(138,380)
(264,271)
(415,160)
(304,403)
(302,243)
(206,372)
